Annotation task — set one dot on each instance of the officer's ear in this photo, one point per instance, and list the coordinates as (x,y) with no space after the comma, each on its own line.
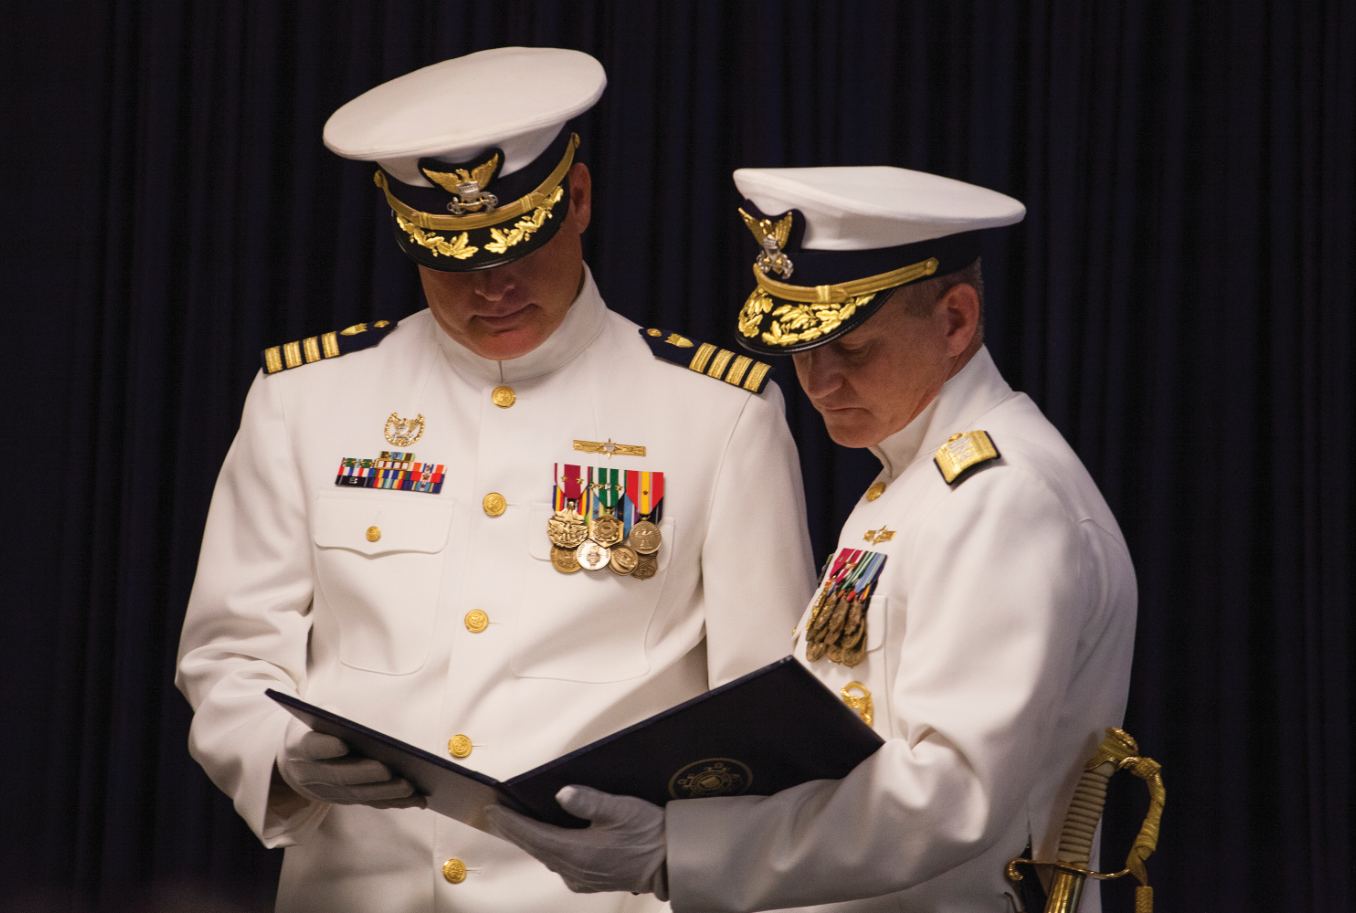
(581,196)
(959,311)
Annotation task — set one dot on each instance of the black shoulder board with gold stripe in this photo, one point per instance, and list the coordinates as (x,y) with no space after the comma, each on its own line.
(330,345)
(704,358)
(962,453)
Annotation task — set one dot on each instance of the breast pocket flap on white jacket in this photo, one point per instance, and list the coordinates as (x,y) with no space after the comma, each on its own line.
(377,524)
(877,616)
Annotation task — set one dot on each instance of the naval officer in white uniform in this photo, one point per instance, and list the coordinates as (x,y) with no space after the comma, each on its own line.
(978,612)
(501,529)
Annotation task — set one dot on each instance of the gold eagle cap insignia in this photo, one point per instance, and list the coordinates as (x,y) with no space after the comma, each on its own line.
(452,180)
(765,230)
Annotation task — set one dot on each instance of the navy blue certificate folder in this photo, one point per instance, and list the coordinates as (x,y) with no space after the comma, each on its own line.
(773,729)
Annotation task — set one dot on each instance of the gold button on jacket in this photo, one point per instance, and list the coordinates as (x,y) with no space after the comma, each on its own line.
(459,746)
(373,534)
(494,504)
(503,397)
(454,870)
(477,621)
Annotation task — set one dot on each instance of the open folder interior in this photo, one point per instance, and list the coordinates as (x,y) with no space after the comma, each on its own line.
(770,730)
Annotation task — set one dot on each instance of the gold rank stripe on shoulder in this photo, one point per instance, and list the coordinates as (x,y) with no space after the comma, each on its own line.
(705,358)
(329,345)
(964,452)
(722,364)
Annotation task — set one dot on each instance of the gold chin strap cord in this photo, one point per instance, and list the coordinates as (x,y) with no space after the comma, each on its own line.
(1118,751)
(493,217)
(836,294)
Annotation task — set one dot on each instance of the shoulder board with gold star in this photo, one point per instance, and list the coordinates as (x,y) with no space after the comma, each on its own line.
(704,358)
(962,453)
(329,345)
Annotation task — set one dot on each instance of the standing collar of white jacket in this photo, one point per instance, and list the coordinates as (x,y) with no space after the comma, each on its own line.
(583,322)
(975,389)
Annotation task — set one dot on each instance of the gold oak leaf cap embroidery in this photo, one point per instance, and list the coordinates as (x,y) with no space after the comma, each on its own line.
(473,154)
(834,243)
(962,453)
(735,369)
(327,345)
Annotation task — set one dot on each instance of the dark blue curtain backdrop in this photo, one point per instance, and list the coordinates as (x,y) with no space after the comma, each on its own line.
(1178,300)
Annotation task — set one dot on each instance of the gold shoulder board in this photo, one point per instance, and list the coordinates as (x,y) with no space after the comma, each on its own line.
(277,359)
(964,452)
(704,358)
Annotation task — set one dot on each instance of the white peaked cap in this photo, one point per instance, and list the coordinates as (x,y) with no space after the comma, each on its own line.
(514,98)
(867,207)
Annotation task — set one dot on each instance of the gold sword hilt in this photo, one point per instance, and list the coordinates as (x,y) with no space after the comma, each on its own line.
(1118,751)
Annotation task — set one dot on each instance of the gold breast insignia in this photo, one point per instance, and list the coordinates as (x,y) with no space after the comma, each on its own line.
(610,449)
(877,536)
(402,432)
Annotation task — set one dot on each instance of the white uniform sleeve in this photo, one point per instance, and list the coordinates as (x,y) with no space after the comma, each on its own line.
(992,596)
(757,570)
(246,628)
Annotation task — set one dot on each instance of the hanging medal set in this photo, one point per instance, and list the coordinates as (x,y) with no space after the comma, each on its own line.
(606,518)
(837,625)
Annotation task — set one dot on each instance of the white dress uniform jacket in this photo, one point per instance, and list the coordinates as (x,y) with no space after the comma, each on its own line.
(999,646)
(292,594)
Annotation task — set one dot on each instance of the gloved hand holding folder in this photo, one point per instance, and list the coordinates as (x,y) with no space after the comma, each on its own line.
(751,736)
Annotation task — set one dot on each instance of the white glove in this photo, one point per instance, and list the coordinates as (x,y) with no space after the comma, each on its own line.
(623,850)
(318,767)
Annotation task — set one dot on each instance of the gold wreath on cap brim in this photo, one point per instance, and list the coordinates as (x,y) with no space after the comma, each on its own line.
(818,310)
(534,200)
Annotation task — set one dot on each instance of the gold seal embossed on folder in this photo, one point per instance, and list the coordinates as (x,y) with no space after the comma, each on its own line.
(711,777)
(963,452)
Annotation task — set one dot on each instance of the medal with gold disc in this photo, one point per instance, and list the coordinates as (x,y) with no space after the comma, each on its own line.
(646,567)
(645,494)
(624,560)
(838,622)
(592,556)
(564,560)
(605,528)
(567,527)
